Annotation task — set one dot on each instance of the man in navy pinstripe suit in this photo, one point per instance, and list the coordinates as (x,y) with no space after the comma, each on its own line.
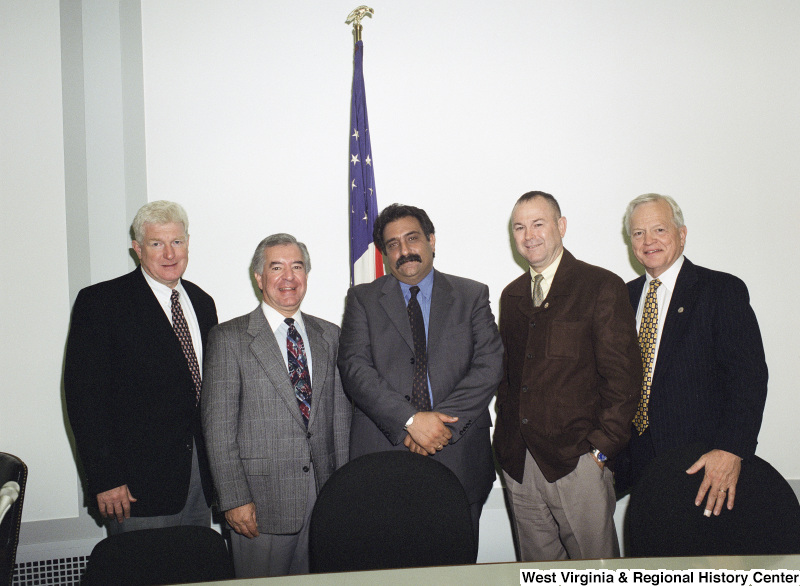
(709,375)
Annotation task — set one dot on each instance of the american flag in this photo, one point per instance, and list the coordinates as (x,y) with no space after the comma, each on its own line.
(366,263)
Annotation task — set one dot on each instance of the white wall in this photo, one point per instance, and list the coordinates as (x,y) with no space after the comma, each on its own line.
(471,104)
(246,122)
(34,305)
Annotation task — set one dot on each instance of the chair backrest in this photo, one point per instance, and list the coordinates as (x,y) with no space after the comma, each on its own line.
(391,510)
(159,556)
(13,478)
(662,519)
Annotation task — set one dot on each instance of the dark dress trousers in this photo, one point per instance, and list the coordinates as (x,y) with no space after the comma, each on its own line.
(376,353)
(710,379)
(130,395)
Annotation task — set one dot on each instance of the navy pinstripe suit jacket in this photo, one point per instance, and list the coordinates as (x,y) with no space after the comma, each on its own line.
(710,379)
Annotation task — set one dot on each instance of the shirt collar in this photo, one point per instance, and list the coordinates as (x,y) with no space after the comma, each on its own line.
(550,271)
(425,287)
(669,277)
(276,319)
(160,289)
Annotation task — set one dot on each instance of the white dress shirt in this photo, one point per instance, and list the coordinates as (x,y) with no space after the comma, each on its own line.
(163,295)
(663,296)
(280,329)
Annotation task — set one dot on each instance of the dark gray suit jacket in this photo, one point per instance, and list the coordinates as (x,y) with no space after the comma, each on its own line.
(259,448)
(465,356)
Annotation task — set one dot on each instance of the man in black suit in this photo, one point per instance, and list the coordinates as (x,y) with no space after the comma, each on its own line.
(705,376)
(132,382)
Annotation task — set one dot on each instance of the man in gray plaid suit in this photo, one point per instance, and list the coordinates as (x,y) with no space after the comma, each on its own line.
(275,417)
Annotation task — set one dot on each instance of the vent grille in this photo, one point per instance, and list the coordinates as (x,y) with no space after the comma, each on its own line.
(56,571)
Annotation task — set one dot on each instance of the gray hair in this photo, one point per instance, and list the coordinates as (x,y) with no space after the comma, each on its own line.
(159,212)
(677,214)
(257,264)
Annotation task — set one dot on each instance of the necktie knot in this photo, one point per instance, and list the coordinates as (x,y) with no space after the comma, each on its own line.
(289,321)
(174,296)
(655,284)
(414,290)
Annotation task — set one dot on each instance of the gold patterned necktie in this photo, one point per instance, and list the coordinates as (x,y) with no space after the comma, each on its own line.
(648,331)
(182,331)
(538,295)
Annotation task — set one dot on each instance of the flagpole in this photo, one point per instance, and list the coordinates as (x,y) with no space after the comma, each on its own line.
(366,263)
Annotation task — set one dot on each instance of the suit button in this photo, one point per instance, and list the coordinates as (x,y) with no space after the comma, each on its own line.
(308,435)
(524,389)
(412,360)
(408,398)
(533,324)
(524,422)
(306,468)
(529,356)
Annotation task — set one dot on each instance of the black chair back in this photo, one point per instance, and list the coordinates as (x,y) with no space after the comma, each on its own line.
(170,555)
(391,510)
(12,469)
(662,519)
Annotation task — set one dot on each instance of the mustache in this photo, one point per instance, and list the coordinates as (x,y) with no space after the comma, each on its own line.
(407,258)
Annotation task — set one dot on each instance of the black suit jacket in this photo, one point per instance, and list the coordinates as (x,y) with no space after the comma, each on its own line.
(710,379)
(130,395)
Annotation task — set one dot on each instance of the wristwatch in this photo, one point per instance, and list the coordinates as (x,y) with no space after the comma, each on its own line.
(601,457)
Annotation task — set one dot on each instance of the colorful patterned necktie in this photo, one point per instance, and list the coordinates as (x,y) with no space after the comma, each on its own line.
(420,398)
(298,369)
(538,296)
(185,338)
(648,331)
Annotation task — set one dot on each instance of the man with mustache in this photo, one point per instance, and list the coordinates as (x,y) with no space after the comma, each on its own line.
(421,357)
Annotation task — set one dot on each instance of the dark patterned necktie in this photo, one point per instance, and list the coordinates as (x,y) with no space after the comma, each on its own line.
(185,338)
(420,398)
(298,369)
(648,331)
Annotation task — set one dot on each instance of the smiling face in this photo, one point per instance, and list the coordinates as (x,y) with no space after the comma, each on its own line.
(538,232)
(284,278)
(657,242)
(409,253)
(163,252)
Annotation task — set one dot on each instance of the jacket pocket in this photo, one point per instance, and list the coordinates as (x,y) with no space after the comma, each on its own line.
(257,466)
(563,339)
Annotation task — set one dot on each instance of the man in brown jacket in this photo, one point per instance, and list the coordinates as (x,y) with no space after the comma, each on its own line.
(570,387)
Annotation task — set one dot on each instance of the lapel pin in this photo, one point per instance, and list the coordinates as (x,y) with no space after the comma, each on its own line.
(680,310)
(546,305)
